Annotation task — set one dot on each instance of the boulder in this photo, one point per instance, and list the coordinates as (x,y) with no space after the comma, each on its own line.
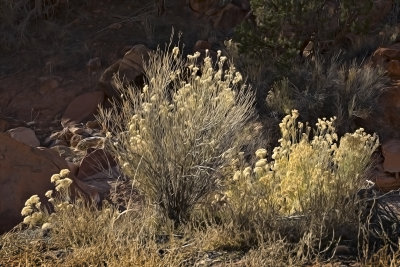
(81,108)
(25,171)
(24,135)
(129,69)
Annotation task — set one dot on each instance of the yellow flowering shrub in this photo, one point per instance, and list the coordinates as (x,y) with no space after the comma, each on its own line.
(306,173)
(173,135)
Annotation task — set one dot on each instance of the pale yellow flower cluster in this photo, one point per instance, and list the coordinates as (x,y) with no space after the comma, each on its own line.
(61,180)
(32,212)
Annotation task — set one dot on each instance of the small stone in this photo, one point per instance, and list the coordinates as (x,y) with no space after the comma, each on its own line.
(24,135)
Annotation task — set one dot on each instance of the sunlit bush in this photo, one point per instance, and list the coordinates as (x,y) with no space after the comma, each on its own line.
(311,173)
(174,135)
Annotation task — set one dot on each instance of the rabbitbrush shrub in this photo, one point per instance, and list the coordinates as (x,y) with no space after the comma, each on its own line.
(174,135)
(312,174)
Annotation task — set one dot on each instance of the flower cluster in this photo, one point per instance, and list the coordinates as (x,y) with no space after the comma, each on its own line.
(32,212)
(61,180)
(62,183)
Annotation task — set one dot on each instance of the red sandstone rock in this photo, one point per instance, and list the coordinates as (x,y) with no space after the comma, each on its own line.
(391,152)
(25,171)
(24,135)
(81,108)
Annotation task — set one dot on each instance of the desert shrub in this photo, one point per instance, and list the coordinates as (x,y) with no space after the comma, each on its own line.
(327,89)
(282,29)
(174,135)
(306,182)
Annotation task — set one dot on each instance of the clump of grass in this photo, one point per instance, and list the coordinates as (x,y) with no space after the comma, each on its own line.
(174,136)
(327,89)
